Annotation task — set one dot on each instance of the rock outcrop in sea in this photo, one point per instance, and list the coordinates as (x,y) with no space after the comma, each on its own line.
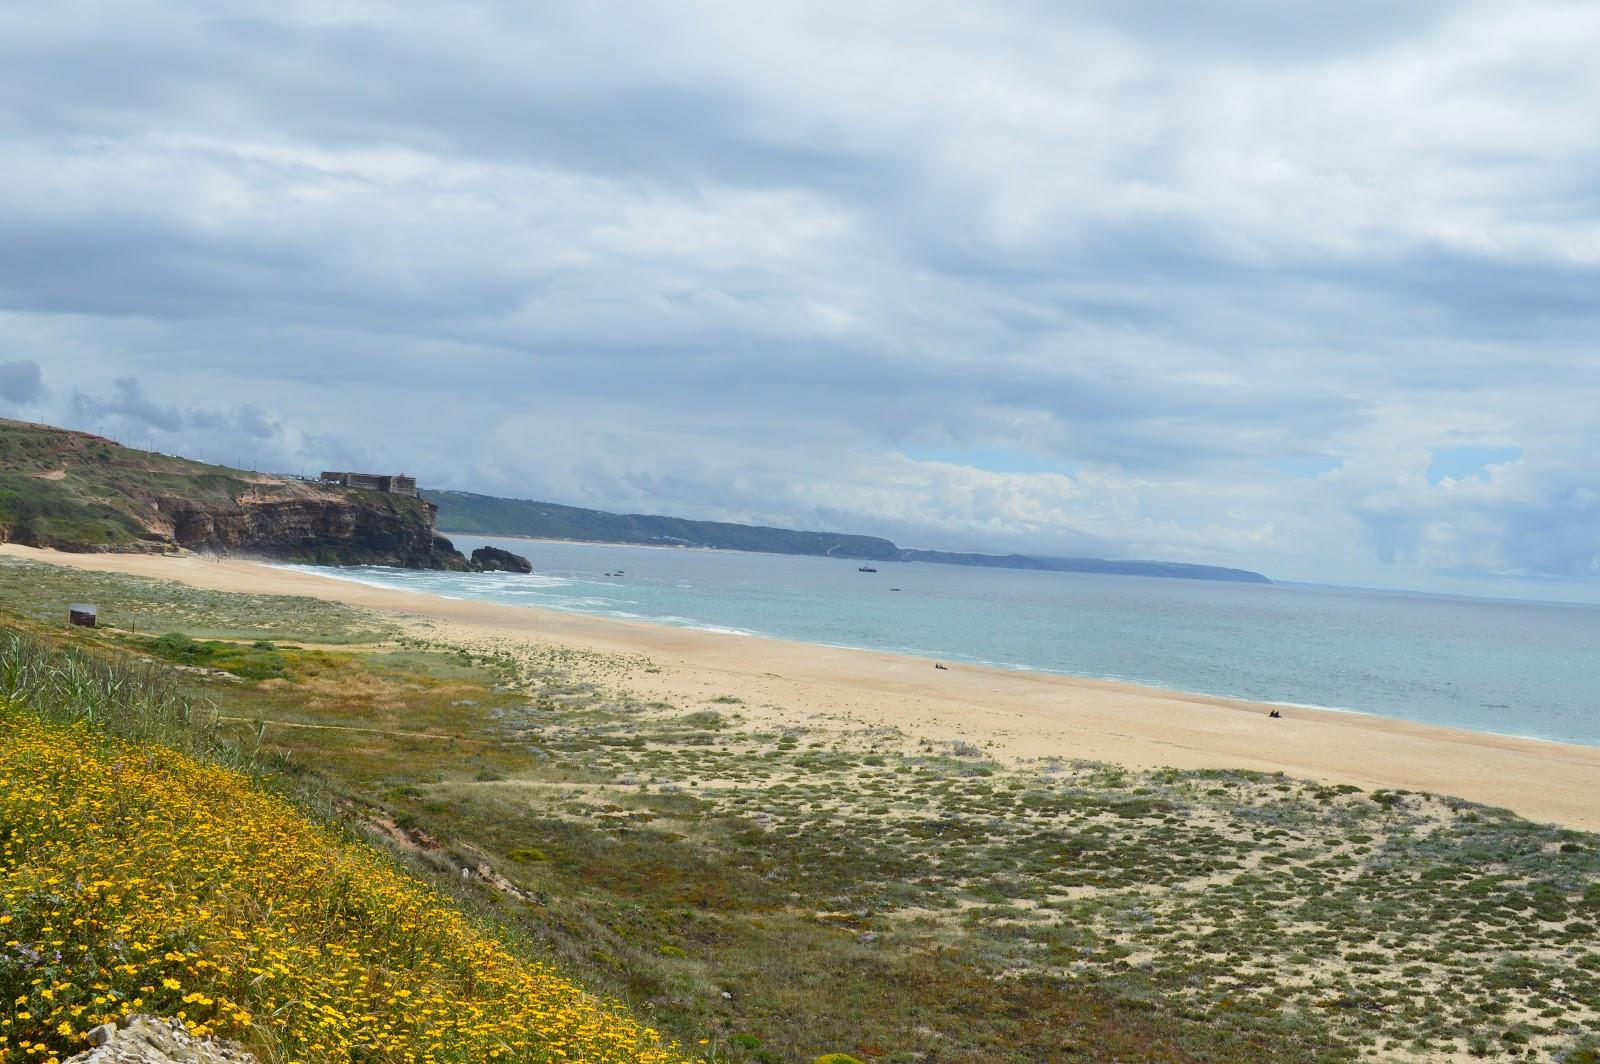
(495,560)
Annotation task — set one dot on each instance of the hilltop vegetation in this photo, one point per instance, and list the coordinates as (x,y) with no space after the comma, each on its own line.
(781,892)
(461,511)
(465,512)
(75,491)
(54,488)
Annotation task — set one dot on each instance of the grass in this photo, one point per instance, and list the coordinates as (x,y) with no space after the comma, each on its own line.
(260,660)
(65,489)
(40,592)
(783,894)
(137,702)
(39,513)
(1240,915)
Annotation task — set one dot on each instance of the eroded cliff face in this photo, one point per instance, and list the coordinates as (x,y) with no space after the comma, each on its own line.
(79,492)
(336,527)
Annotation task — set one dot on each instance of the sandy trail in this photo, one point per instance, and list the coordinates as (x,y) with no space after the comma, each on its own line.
(1015,715)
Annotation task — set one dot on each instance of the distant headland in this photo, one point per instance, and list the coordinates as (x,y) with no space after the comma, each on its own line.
(75,491)
(464,512)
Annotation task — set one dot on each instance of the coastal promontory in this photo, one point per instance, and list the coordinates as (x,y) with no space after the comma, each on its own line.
(75,491)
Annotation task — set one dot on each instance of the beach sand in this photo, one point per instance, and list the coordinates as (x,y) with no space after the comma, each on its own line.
(1015,716)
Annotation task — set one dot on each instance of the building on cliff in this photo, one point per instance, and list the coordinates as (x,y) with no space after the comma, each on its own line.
(394,485)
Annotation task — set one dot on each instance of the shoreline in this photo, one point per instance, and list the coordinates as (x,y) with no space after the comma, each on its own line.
(1015,715)
(901,653)
(1007,667)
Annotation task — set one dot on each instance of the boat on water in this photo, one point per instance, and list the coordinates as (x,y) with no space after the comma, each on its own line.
(865,569)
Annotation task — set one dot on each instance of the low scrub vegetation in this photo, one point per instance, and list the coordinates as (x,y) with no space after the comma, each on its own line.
(138,604)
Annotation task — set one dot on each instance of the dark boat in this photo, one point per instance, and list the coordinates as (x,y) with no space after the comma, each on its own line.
(866,569)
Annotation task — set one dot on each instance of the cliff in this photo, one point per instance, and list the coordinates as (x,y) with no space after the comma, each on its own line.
(79,492)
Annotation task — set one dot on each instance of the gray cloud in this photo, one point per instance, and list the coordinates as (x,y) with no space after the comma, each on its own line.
(21,382)
(742,266)
(128,405)
(244,433)
(244,420)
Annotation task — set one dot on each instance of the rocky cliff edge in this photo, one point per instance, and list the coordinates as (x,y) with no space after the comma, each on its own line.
(80,492)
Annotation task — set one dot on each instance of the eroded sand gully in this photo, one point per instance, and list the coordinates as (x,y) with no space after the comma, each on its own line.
(1015,716)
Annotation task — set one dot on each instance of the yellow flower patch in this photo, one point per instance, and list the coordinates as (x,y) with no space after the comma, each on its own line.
(137,879)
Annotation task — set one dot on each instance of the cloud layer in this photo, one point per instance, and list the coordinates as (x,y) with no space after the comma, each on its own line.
(1035,276)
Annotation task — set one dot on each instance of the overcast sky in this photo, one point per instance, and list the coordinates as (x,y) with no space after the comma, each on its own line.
(1312,289)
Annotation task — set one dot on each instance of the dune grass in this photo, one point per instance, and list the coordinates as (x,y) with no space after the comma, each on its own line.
(41,592)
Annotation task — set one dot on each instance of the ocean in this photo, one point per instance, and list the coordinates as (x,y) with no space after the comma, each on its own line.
(1513,668)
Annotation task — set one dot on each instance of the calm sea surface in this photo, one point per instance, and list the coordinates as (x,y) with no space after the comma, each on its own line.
(1516,668)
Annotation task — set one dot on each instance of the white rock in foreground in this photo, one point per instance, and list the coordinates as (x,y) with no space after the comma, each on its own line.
(147,1040)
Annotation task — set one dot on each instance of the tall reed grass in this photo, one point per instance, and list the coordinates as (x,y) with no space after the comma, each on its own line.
(116,696)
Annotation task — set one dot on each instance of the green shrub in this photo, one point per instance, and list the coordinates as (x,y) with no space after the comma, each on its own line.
(259,661)
(838,1058)
(175,645)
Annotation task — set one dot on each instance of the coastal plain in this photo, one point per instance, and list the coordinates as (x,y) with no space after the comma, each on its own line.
(1013,716)
(770,851)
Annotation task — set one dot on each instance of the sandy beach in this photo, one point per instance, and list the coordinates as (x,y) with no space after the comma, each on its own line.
(1016,716)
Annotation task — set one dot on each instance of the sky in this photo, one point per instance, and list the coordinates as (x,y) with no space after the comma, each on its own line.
(1304,288)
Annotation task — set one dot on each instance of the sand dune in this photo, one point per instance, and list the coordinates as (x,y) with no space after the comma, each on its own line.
(1016,715)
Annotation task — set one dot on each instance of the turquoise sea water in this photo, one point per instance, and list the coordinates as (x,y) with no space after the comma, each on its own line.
(1516,668)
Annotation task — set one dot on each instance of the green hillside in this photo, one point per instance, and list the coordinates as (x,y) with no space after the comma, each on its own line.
(72,490)
(75,491)
(461,511)
(465,512)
